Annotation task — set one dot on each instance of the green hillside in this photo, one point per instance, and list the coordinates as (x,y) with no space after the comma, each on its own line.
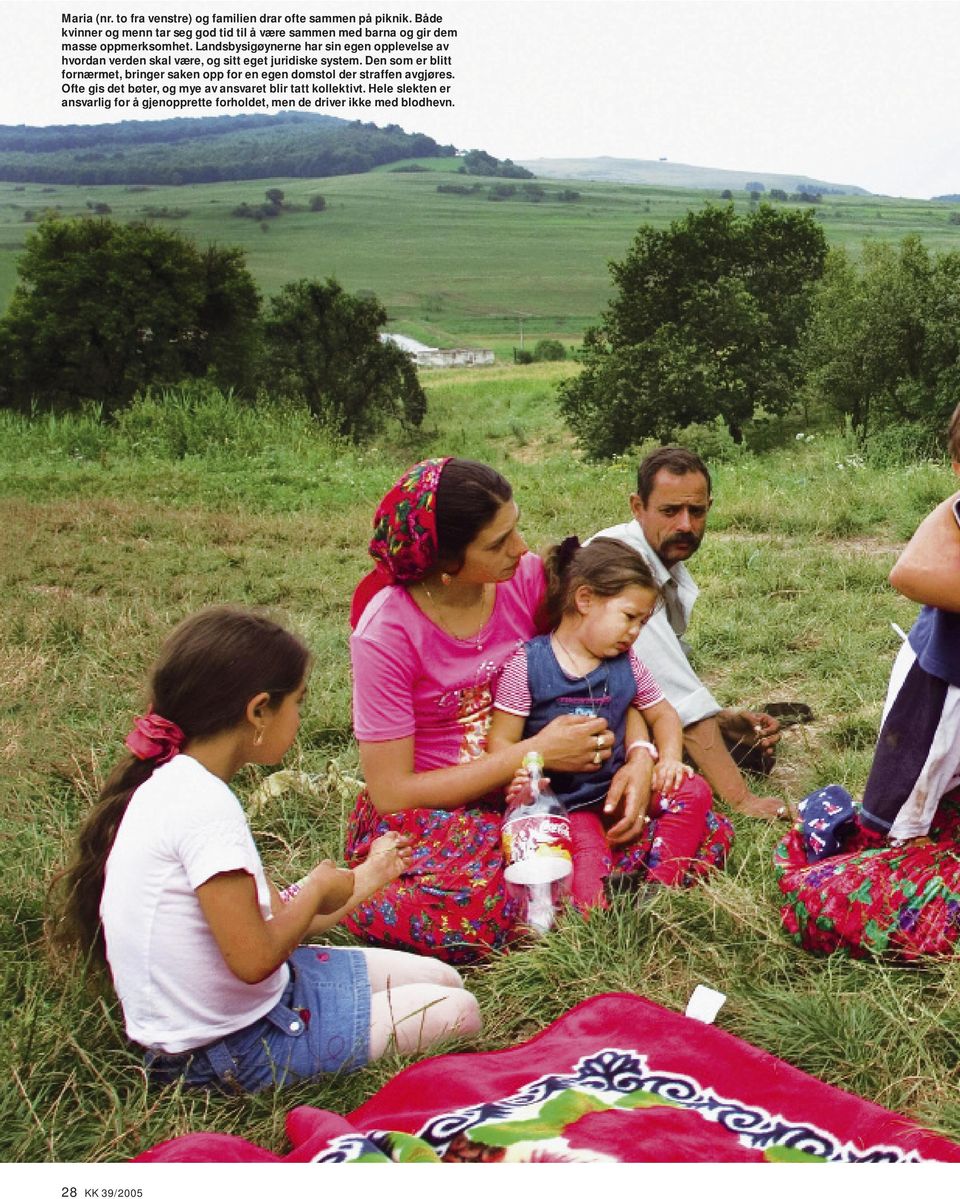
(204,149)
(661,173)
(450,268)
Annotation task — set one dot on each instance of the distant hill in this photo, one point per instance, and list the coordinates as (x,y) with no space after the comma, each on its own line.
(676,174)
(205,149)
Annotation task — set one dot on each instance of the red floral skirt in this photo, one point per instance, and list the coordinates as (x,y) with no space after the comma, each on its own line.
(453,902)
(874,898)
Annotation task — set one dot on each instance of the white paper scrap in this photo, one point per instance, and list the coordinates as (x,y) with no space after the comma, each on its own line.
(704,1004)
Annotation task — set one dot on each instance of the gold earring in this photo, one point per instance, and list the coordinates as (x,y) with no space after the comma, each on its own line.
(258,737)
(446,579)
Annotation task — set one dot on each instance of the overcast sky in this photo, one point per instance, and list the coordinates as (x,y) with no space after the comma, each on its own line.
(863,92)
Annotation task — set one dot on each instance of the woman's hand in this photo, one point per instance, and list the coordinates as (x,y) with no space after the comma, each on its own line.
(668,774)
(574,744)
(627,801)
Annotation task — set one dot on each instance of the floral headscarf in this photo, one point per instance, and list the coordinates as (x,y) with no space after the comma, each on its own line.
(404,542)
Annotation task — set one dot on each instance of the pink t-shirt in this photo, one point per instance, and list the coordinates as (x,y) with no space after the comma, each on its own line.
(413,679)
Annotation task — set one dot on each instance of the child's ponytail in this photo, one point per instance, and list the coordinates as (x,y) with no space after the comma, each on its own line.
(209,668)
(556,563)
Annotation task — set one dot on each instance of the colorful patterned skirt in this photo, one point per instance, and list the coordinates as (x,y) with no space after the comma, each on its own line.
(875,898)
(453,902)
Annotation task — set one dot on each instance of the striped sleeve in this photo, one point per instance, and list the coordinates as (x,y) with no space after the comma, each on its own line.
(513,689)
(648,691)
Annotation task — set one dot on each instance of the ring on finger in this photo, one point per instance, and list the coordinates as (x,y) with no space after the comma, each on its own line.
(596,758)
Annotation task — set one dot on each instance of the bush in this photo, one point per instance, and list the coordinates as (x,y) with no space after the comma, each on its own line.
(548,349)
(904,445)
(317,203)
(711,440)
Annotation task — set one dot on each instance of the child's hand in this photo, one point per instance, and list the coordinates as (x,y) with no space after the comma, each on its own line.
(338,886)
(668,774)
(518,791)
(389,856)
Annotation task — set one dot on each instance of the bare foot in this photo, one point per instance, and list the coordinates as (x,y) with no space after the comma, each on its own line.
(764,807)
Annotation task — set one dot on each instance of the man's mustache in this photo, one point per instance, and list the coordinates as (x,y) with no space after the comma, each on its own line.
(683,540)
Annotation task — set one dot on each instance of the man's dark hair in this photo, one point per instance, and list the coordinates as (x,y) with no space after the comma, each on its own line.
(673,458)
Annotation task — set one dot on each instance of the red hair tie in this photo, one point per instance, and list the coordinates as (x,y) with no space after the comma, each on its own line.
(155,737)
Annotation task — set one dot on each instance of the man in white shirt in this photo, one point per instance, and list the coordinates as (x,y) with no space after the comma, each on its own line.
(669,520)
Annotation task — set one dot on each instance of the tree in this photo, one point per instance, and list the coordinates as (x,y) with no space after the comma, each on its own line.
(317,202)
(103,310)
(706,322)
(322,345)
(883,347)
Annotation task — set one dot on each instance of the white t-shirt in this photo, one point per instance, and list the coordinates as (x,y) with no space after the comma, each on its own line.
(181,827)
(659,645)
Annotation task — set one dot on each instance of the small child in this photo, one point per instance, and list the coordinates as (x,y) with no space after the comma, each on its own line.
(167,887)
(599,597)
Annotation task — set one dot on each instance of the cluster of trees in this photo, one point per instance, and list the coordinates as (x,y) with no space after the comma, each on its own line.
(720,317)
(547,349)
(805,195)
(479,162)
(206,149)
(275,203)
(102,311)
(706,322)
(883,345)
(533,192)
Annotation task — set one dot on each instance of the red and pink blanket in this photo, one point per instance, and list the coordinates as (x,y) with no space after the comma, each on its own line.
(616,1079)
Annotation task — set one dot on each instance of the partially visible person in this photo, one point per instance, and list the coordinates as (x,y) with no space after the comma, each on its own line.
(167,887)
(670,508)
(453,594)
(599,597)
(893,883)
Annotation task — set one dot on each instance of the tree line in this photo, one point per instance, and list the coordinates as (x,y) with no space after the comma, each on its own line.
(103,311)
(726,318)
(207,150)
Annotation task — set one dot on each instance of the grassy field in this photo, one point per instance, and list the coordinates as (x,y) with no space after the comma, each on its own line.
(450,269)
(108,536)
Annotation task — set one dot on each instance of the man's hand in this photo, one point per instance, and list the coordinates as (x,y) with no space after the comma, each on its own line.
(750,729)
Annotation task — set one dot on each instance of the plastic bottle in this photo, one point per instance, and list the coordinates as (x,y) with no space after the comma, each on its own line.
(536,849)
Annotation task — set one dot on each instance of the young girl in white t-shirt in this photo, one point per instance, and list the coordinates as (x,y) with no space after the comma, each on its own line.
(167,887)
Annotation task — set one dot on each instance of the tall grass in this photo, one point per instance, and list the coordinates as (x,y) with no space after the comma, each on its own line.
(111,532)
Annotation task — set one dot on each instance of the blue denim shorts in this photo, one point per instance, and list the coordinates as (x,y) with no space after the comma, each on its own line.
(320,1025)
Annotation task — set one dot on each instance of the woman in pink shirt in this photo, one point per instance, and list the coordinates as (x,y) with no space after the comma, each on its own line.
(453,595)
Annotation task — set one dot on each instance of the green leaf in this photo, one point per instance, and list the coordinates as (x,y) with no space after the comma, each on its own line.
(644,1099)
(555,1115)
(407,1148)
(783,1153)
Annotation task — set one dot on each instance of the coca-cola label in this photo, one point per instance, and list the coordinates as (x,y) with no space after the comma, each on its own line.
(532,842)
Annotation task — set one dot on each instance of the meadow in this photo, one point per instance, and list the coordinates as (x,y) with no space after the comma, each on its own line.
(450,269)
(109,534)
